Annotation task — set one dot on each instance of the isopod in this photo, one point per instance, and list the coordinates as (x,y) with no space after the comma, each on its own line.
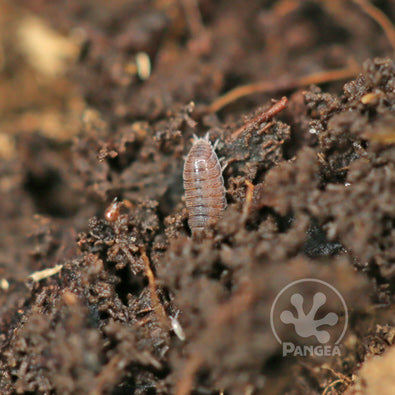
(204,185)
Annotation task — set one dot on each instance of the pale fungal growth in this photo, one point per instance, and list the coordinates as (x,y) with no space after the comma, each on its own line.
(41,274)
(4,284)
(204,185)
(143,64)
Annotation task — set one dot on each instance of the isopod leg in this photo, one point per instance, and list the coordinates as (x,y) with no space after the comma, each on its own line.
(225,165)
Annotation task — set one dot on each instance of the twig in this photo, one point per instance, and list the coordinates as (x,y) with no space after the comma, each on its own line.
(263,117)
(265,128)
(380,18)
(158,308)
(274,145)
(287,84)
(248,201)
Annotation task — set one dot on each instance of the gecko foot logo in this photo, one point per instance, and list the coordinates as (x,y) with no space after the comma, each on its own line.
(305,324)
(309,317)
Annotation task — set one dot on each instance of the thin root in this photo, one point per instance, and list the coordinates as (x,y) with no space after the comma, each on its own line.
(380,18)
(263,117)
(157,305)
(287,84)
(331,385)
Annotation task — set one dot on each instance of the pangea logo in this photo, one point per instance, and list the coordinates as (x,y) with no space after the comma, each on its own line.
(309,317)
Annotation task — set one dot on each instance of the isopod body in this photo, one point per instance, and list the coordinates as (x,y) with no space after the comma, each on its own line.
(204,185)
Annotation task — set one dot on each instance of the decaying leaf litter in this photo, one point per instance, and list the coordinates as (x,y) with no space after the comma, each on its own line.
(310,194)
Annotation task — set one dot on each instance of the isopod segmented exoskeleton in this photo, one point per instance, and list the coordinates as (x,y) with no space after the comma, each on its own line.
(204,185)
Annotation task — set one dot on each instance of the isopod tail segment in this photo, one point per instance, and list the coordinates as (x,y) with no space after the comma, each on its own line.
(204,185)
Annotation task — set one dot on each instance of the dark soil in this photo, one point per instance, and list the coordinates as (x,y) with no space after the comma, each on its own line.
(310,195)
